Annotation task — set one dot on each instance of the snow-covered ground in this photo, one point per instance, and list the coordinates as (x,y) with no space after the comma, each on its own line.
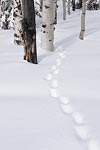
(54,105)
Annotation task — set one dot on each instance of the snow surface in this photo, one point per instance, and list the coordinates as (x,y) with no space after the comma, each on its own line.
(54,105)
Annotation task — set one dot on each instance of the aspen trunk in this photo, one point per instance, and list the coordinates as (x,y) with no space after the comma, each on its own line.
(48,24)
(55,9)
(69,7)
(99,4)
(64,9)
(29,31)
(17,13)
(81,36)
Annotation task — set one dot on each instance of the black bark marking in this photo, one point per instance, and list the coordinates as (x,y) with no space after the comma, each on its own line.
(47,7)
(44,25)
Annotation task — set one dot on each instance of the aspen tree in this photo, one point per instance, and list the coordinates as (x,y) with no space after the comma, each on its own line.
(73,5)
(48,24)
(99,4)
(17,13)
(81,36)
(69,7)
(64,9)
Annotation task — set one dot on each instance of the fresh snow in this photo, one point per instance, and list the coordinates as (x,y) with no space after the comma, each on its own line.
(54,105)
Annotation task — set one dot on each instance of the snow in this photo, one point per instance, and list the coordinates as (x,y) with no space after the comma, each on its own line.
(64,100)
(54,105)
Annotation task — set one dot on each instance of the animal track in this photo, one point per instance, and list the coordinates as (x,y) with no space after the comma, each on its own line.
(68,109)
(54,92)
(78,118)
(49,77)
(54,83)
(80,128)
(82,132)
(93,145)
(64,100)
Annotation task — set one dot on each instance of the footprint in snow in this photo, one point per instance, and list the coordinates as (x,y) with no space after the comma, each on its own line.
(49,77)
(55,72)
(54,83)
(64,100)
(58,61)
(61,55)
(54,93)
(53,67)
(78,118)
(67,109)
(82,132)
(93,145)
(60,48)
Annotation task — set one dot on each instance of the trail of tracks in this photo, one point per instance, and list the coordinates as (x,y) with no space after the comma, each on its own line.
(80,128)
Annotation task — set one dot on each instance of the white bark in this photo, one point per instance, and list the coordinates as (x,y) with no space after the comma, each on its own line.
(41,5)
(69,7)
(81,36)
(0,8)
(48,24)
(99,4)
(0,13)
(64,9)
(18,22)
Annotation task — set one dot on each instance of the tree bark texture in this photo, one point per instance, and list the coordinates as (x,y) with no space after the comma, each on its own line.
(48,24)
(29,31)
(17,13)
(81,36)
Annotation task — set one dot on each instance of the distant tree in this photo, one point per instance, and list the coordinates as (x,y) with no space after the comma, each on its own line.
(81,36)
(73,5)
(64,9)
(80,4)
(99,4)
(69,7)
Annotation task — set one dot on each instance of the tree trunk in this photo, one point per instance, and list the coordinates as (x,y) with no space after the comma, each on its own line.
(81,36)
(55,9)
(73,5)
(64,9)
(99,4)
(48,24)
(17,22)
(29,31)
(69,7)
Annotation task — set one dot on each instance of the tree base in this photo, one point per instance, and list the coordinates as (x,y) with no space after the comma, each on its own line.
(81,36)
